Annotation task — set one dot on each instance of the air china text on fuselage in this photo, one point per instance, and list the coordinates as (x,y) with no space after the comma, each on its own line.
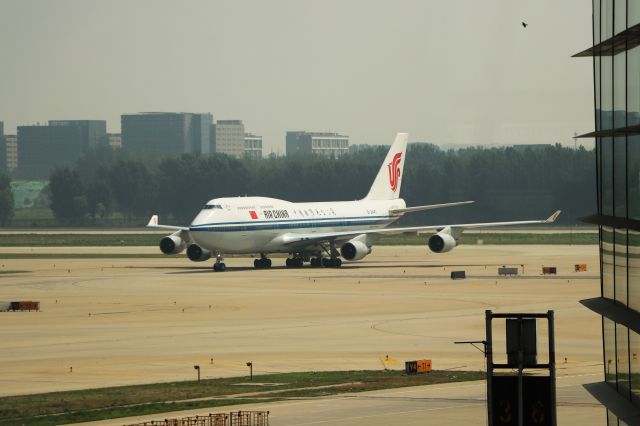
(321,233)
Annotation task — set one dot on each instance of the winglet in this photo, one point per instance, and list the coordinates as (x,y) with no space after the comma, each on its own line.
(153,221)
(553,217)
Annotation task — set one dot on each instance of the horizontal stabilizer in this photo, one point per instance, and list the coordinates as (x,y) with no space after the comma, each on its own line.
(429,207)
(153,223)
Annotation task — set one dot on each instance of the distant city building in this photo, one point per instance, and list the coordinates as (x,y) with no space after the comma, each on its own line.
(230,138)
(11,150)
(114,140)
(3,149)
(172,132)
(321,143)
(61,142)
(92,131)
(252,146)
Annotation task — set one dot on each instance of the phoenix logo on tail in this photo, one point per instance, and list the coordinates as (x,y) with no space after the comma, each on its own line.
(394,171)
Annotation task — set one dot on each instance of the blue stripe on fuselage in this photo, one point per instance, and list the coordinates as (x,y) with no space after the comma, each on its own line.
(290,224)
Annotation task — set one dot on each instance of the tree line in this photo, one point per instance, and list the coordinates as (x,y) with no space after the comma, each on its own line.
(505,183)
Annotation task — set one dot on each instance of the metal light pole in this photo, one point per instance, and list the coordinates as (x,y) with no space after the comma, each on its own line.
(250,365)
(197,368)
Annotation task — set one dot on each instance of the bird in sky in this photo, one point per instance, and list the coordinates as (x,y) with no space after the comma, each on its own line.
(524,25)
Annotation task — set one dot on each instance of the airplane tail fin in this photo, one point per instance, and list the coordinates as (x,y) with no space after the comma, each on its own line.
(386,186)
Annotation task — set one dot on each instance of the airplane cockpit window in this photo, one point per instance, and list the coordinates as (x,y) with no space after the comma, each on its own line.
(212,206)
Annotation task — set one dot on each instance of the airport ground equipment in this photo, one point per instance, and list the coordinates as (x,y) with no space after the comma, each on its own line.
(507,271)
(549,270)
(581,267)
(23,305)
(234,418)
(521,399)
(458,275)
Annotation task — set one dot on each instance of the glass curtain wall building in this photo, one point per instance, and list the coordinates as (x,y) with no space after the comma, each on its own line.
(616,71)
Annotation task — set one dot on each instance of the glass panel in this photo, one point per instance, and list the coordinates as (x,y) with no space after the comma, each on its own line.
(633,270)
(622,359)
(633,175)
(607,263)
(620,177)
(620,22)
(606,175)
(633,13)
(619,90)
(609,337)
(606,91)
(612,420)
(596,69)
(634,345)
(633,86)
(607,19)
(621,266)
(596,22)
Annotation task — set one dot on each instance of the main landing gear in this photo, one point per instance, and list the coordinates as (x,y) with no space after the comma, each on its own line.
(297,261)
(319,262)
(219,266)
(262,263)
(333,261)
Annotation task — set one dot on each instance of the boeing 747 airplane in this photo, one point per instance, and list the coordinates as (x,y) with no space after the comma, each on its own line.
(320,233)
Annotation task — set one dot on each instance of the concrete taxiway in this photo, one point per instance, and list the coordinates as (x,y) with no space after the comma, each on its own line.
(127,320)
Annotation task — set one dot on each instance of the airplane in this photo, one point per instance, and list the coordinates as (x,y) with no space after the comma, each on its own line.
(321,233)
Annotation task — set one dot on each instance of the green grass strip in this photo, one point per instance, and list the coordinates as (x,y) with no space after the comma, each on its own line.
(107,403)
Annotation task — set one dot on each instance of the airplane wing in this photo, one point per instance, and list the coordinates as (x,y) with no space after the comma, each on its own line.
(153,223)
(330,236)
(429,207)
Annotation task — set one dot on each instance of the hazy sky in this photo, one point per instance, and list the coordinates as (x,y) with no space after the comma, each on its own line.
(458,71)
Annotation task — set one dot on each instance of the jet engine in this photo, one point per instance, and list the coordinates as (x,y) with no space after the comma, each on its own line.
(354,250)
(442,242)
(195,253)
(172,244)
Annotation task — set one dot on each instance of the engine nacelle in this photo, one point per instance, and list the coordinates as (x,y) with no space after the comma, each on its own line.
(172,244)
(354,250)
(442,242)
(195,253)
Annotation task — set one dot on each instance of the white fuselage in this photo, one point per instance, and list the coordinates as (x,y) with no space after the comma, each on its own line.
(253,224)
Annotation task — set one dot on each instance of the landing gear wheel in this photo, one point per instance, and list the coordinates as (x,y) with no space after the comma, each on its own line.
(262,263)
(294,262)
(316,262)
(332,263)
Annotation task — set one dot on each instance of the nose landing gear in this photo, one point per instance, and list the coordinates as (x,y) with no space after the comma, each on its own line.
(219,266)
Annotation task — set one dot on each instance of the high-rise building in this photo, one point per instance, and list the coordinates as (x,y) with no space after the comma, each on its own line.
(42,148)
(616,64)
(61,142)
(170,132)
(11,150)
(320,143)
(92,131)
(252,146)
(3,149)
(230,138)
(113,140)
